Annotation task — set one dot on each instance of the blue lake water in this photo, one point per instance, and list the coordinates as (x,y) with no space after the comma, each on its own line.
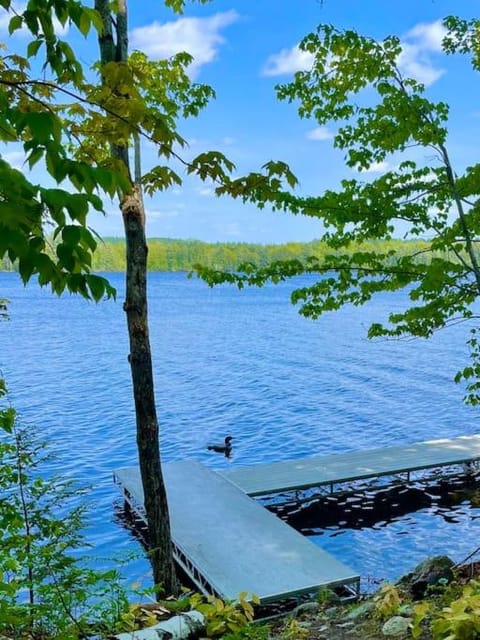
(240,363)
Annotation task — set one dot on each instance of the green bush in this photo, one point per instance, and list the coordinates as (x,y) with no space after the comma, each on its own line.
(461,619)
(46,591)
(387,601)
(223,617)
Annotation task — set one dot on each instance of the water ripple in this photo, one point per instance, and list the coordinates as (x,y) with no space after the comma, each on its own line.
(240,363)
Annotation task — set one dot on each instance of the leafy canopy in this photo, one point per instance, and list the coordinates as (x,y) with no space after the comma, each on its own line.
(66,126)
(31,118)
(382,119)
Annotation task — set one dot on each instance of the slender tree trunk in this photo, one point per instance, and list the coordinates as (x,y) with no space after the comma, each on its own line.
(140,358)
(113,47)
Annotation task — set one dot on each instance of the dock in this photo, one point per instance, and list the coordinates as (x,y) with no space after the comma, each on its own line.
(227,542)
(295,475)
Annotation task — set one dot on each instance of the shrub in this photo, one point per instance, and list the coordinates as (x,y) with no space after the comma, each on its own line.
(46,591)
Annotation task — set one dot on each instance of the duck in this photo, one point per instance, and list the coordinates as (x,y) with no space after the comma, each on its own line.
(225,448)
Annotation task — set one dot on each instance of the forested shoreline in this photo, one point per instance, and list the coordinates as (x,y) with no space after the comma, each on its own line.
(180,255)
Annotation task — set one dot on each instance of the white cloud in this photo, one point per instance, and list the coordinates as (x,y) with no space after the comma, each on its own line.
(429,35)
(376,167)
(418,45)
(198,36)
(320,133)
(206,192)
(156,214)
(288,61)
(415,64)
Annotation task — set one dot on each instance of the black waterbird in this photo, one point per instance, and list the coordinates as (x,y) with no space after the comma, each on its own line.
(225,448)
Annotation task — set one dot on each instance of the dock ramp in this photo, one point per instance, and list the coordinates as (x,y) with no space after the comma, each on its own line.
(228,543)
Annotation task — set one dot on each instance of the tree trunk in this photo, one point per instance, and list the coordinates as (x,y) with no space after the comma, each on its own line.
(140,358)
(113,47)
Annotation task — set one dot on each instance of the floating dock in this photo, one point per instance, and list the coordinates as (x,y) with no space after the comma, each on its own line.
(296,475)
(228,543)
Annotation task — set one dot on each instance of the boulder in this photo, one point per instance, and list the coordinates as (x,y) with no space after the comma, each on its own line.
(428,573)
(362,611)
(396,627)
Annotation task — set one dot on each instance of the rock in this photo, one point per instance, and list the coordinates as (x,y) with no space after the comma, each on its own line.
(362,611)
(180,627)
(306,607)
(428,574)
(345,625)
(396,626)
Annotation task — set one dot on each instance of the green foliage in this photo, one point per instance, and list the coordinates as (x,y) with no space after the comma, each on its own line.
(45,590)
(464,37)
(140,616)
(222,617)
(471,373)
(182,255)
(387,601)
(420,613)
(327,597)
(461,619)
(249,632)
(70,134)
(178,5)
(294,630)
(30,117)
(453,614)
(381,120)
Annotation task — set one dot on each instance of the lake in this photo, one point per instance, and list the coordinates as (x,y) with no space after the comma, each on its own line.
(242,363)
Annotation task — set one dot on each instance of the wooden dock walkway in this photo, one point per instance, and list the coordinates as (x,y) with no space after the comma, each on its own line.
(296,475)
(228,543)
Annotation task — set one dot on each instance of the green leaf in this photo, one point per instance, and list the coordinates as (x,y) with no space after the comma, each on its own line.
(43,126)
(97,287)
(77,206)
(26,268)
(7,419)
(85,23)
(35,156)
(15,23)
(71,235)
(33,47)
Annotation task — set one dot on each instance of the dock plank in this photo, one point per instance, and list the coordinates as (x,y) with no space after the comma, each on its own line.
(290,475)
(237,544)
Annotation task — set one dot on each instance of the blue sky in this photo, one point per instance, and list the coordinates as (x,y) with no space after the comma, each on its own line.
(242,49)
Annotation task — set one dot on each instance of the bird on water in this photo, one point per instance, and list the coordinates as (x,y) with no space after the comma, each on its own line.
(225,448)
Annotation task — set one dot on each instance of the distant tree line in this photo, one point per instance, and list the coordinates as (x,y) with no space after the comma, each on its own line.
(180,255)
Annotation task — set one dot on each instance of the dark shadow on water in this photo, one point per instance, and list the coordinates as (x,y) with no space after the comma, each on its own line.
(370,509)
